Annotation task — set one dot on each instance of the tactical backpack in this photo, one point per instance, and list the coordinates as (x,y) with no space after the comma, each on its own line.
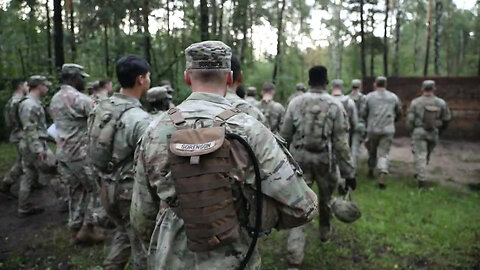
(104,123)
(200,161)
(13,121)
(315,129)
(430,113)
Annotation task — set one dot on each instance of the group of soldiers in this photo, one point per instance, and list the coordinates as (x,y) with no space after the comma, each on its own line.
(188,186)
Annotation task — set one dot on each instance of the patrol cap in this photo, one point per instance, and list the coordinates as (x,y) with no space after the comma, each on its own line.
(208,55)
(356,83)
(380,81)
(428,85)
(37,80)
(337,83)
(158,93)
(74,69)
(300,87)
(93,86)
(251,90)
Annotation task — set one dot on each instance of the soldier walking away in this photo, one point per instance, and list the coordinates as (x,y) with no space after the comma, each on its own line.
(158,99)
(13,123)
(300,90)
(272,110)
(251,95)
(194,182)
(111,149)
(358,135)
(316,128)
(69,110)
(381,110)
(348,104)
(170,91)
(235,100)
(427,117)
(36,155)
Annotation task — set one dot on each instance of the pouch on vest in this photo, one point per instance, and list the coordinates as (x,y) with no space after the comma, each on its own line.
(200,161)
(104,124)
(430,117)
(314,125)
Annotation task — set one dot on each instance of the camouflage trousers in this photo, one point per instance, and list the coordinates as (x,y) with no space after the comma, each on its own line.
(422,146)
(356,143)
(15,172)
(327,183)
(378,146)
(124,243)
(82,195)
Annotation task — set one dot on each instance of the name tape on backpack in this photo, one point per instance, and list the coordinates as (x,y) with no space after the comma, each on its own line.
(194,147)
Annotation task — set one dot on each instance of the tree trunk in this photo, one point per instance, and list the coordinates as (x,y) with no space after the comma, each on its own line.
(362,44)
(146,32)
(220,21)
(276,66)
(168,17)
(213,4)
(397,39)
(244,7)
(49,38)
(72,31)
(107,58)
(372,49)
(429,25)
(204,20)
(58,34)
(22,62)
(438,30)
(385,40)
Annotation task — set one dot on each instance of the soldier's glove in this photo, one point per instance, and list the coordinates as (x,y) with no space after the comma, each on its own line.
(350,183)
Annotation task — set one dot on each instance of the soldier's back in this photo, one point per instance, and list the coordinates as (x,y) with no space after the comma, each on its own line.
(246,107)
(273,112)
(12,118)
(383,109)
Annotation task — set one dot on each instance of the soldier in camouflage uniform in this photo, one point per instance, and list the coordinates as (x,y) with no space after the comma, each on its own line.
(251,93)
(133,73)
(358,134)
(12,121)
(381,110)
(347,103)
(316,128)
(301,89)
(235,100)
(170,91)
(158,99)
(70,109)
(427,116)
(271,109)
(36,156)
(282,184)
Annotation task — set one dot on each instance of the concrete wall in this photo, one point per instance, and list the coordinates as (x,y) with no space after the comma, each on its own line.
(461,94)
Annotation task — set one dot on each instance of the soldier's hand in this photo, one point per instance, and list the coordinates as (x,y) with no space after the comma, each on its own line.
(350,183)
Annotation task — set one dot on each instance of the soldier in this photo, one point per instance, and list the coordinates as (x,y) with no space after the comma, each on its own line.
(271,109)
(159,191)
(316,128)
(235,100)
(92,87)
(427,117)
(128,124)
(36,156)
(12,122)
(359,133)
(381,110)
(106,86)
(300,90)
(348,105)
(251,93)
(170,91)
(69,110)
(100,90)
(159,99)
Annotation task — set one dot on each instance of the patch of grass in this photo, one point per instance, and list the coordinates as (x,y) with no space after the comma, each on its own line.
(7,158)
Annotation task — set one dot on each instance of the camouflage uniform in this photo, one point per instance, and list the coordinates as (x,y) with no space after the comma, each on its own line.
(70,110)
(380,111)
(97,97)
(13,121)
(31,146)
(349,106)
(159,98)
(359,133)
(135,121)
(245,107)
(319,167)
(250,98)
(282,184)
(300,91)
(274,112)
(424,141)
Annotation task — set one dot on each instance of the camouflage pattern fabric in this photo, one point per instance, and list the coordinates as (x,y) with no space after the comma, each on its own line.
(251,100)
(423,141)
(97,97)
(349,106)
(358,135)
(208,55)
(274,112)
(378,147)
(281,183)
(245,107)
(294,95)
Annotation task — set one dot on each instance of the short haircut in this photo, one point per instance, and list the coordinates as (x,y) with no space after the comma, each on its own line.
(103,83)
(209,75)
(67,76)
(381,81)
(317,76)
(268,87)
(236,67)
(129,68)
(17,82)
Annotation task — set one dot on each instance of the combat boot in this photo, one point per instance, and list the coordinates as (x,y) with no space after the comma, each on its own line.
(89,235)
(370,174)
(326,233)
(381,181)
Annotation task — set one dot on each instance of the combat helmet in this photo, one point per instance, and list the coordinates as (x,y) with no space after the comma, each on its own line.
(345,209)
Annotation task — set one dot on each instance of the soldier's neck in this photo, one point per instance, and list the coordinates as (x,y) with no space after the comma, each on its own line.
(428,94)
(35,94)
(336,92)
(211,88)
(317,89)
(267,97)
(132,92)
(18,92)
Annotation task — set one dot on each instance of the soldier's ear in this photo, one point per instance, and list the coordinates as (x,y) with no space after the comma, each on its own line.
(230,78)
(186,77)
(240,77)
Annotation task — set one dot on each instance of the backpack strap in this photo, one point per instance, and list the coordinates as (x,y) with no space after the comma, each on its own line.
(176,116)
(225,115)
